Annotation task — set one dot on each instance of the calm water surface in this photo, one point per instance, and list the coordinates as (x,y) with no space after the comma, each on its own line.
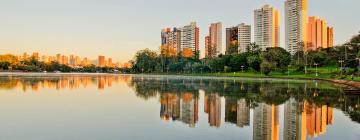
(133,107)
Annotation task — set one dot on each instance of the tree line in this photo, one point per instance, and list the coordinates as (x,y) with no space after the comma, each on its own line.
(10,62)
(254,60)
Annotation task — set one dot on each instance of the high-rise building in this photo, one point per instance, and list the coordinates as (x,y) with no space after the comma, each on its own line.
(59,58)
(25,56)
(214,47)
(101,61)
(231,40)
(64,60)
(72,60)
(330,32)
(238,38)
(183,40)
(77,60)
(244,39)
(295,24)
(319,34)
(36,56)
(171,39)
(110,62)
(267,27)
(190,38)
(86,62)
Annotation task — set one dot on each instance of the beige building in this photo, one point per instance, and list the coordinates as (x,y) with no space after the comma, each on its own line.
(214,45)
(267,27)
(101,61)
(244,37)
(295,24)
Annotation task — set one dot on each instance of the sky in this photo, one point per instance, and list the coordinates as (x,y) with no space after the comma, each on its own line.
(119,28)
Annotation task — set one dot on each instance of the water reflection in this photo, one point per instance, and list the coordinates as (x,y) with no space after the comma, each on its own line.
(59,82)
(308,105)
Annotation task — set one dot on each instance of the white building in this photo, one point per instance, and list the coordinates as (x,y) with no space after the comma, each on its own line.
(266,22)
(190,37)
(295,24)
(244,37)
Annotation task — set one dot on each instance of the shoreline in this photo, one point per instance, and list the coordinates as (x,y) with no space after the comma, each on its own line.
(352,85)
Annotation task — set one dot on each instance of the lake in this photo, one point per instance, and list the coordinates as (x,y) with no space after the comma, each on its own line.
(139,107)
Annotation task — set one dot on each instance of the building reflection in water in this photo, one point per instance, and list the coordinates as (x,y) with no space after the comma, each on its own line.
(302,119)
(266,122)
(184,108)
(212,106)
(307,114)
(61,82)
(237,111)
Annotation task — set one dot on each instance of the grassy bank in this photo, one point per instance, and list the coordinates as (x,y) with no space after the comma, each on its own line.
(324,73)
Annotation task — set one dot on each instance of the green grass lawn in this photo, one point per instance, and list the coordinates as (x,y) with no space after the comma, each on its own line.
(323,73)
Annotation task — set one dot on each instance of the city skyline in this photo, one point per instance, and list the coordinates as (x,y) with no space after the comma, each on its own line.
(71,60)
(33,30)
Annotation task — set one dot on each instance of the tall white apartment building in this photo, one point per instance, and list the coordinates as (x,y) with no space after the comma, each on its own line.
(190,37)
(244,37)
(267,28)
(295,24)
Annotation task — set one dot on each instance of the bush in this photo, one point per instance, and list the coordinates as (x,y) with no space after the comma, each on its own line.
(267,67)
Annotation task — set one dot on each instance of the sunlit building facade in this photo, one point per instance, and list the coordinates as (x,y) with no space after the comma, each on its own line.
(267,27)
(239,36)
(180,40)
(171,39)
(214,46)
(295,24)
(190,38)
(101,61)
(319,34)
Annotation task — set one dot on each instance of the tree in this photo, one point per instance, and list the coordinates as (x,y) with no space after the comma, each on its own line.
(254,62)
(253,48)
(267,67)
(168,51)
(232,49)
(276,57)
(187,53)
(145,61)
(238,60)
(355,39)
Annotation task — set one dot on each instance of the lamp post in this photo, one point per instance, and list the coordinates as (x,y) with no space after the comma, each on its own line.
(316,65)
(358,63)
(306,62)
(288,71)
(242,69)
(341,66)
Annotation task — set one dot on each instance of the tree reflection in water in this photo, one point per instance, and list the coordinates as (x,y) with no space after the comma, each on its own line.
(308,105)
